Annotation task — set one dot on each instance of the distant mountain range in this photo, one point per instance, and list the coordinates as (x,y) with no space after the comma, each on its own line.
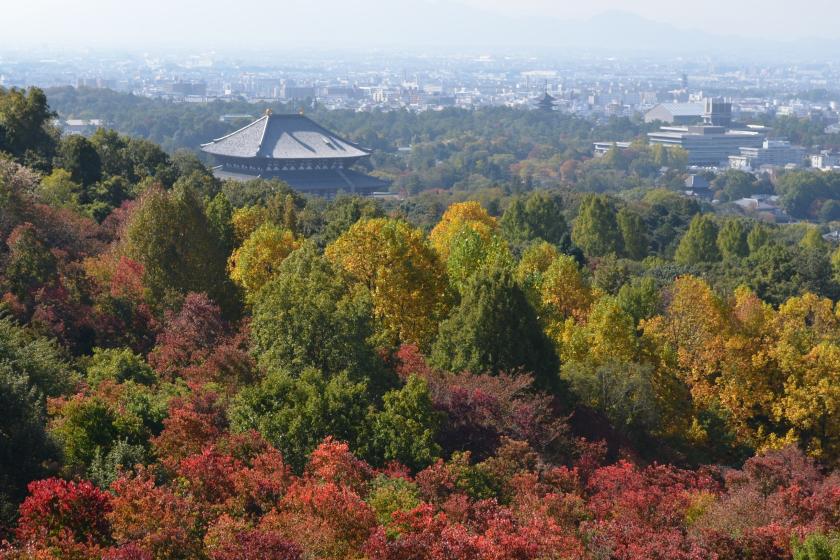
(341,25)
(449,24)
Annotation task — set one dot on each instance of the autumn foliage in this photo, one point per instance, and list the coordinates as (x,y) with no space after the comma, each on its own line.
(195,369)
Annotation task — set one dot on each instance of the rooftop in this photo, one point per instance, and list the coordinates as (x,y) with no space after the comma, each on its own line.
(331,180)
(284,137)
(683,109)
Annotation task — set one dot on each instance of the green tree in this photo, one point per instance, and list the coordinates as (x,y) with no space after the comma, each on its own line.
(799,190)
(29,264)
(773,274)
(734,184)
(118,365)
(732,239)
(290,213)
(112,149)
(169,234)
(31,368)
(24,445)
(219,217)
(83,426)
(633,234)
(295,413)
(26,129)
(78,155)
(813,240)
(538,216)
(699,244)
(308,316)
(345,211)
(58,189)
(596,228)
(758,237)
(817,547)
(470,253)
(639,299)
(147,159)
(40,359)
(406,427)
(388,495)
(495,329)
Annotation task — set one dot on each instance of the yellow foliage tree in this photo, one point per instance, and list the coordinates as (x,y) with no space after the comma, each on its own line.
(608,334)
(564,293)
(246,221)
(404,275)
(257,260)
(534,263)
(807,350)
(453,220)
(470,252)
(694,328)
(750,380)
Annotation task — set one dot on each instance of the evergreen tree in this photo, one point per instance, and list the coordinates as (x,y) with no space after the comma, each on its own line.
(219,218)
(633,234)
(170,235)
(699,244)
(308,316)
(296,412)
(406,427)
(758,237)
(495,329)
(26,129)
(79,157)
(732,240)
(539,216)
(596,227)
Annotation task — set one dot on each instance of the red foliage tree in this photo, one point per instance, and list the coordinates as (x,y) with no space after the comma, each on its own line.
(155,519)
(64,515)
(482,409)
(197,344)
(188,336)
(194,423)
(233,539)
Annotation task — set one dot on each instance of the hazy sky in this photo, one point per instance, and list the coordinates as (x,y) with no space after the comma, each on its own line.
(335,23)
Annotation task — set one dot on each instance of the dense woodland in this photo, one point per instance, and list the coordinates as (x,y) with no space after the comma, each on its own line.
(203,370)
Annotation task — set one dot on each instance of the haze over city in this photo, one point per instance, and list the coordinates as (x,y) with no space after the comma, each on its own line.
(358,24)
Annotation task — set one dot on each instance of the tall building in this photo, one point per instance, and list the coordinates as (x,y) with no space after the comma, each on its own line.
(294,149)
(717,112)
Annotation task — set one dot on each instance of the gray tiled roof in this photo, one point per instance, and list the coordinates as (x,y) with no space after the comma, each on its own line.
(284,137)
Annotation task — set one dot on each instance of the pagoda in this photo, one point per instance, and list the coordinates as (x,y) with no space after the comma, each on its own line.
(294,149)
(546,103)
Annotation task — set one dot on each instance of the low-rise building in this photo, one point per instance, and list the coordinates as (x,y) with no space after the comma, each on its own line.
(602,148)
(707,145)
(85,127)
(826,160)
(775,153)
(764,206)
(676,113)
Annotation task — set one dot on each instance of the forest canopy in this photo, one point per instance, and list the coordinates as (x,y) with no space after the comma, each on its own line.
(199,369)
